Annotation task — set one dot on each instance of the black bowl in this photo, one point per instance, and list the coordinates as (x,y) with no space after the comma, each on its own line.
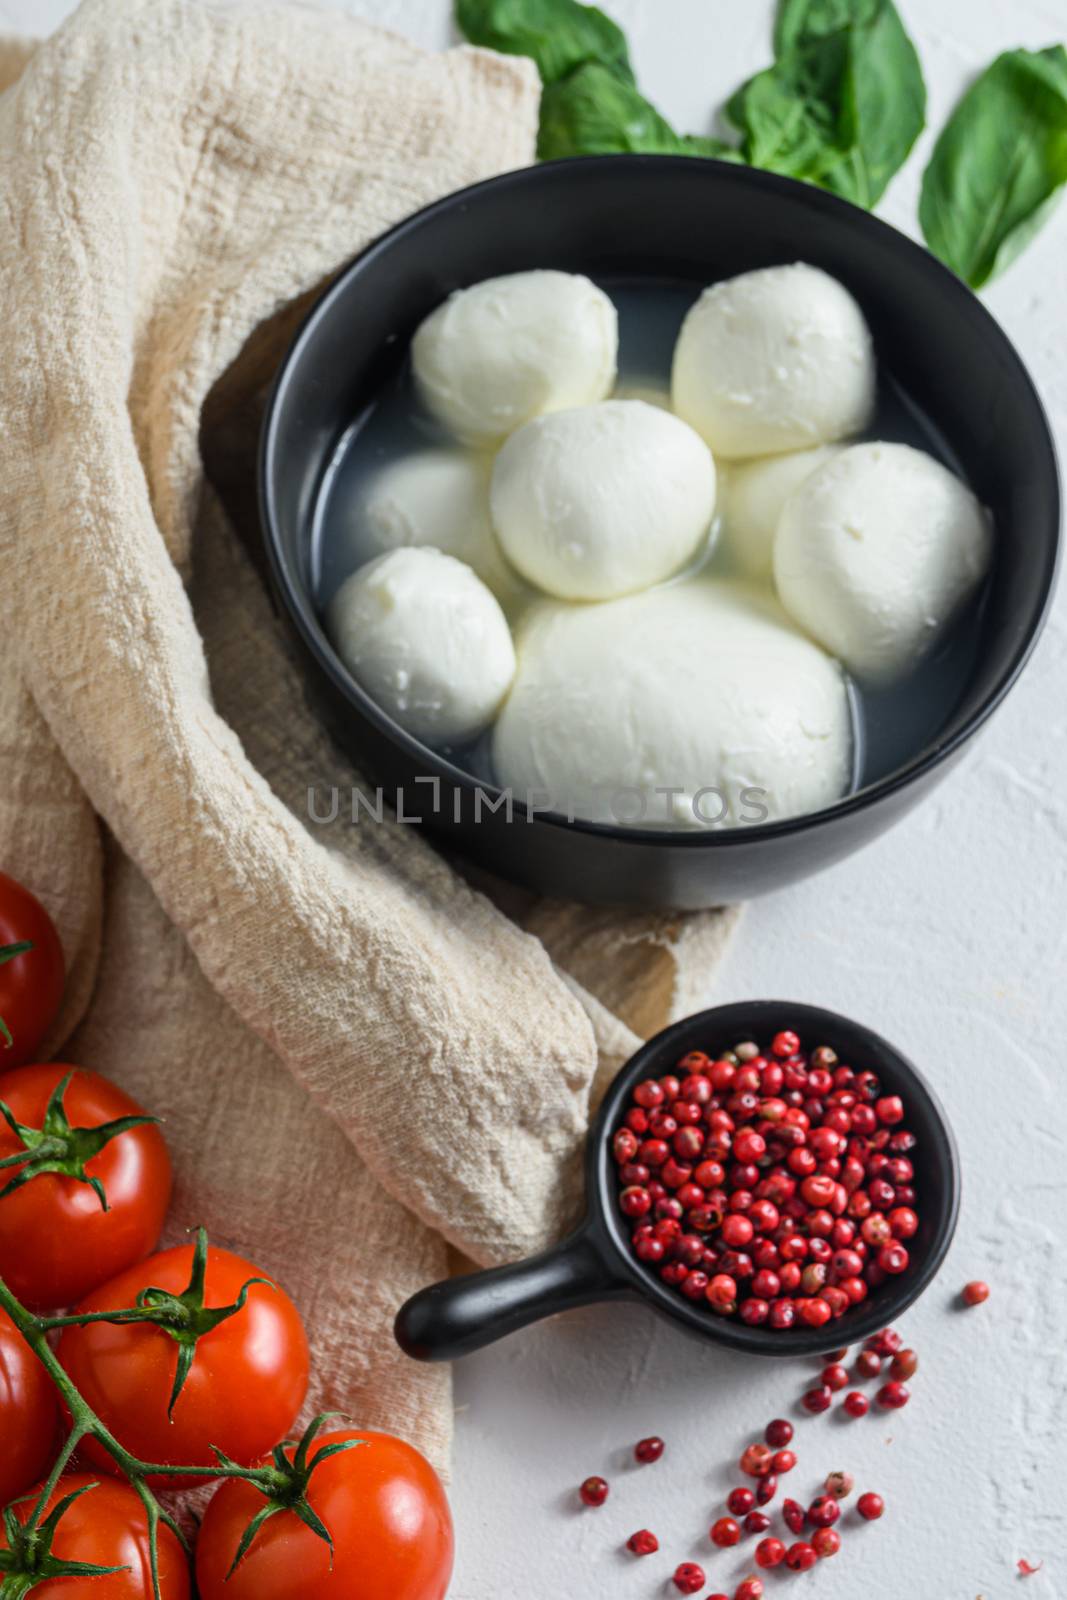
(455,1318)
(680,219)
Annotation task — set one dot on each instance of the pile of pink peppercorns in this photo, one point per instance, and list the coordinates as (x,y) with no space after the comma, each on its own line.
(775,1186)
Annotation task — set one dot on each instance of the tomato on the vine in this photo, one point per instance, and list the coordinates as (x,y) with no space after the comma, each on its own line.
(31,981)
(108,1527)
(57,1242)
(29,1414)
(247,1378)
(384,1508)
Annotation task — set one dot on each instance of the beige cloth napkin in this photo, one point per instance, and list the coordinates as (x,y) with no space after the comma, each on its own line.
(359,1056)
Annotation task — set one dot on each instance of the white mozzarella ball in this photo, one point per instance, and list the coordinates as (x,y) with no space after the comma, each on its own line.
(875,553)
(696,687)
(602,500)
(777,359)
(428,642)
(434,497)
(751,497)
(503,351)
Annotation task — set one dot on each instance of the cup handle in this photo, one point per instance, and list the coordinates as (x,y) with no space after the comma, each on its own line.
(463,1314)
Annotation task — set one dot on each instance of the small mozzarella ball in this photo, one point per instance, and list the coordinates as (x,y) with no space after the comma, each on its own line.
(876,551)
(777,359)
(600,501)
(695,687)
(512,348)
(428,642)
(751,497)
(438,498)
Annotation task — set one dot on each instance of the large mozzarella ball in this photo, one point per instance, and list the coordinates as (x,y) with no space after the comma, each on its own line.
(876,551)
(428,642)
(512,348)
(701,688)
(602,500)
(777,359)
(434,497)
(751,497)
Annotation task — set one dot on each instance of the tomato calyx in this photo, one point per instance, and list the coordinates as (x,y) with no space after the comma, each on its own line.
(57,1147)
(183,1316)
(284,1485)
(28,1560)
(7,953)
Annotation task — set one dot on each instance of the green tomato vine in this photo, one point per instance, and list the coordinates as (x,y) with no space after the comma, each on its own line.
(28,1561)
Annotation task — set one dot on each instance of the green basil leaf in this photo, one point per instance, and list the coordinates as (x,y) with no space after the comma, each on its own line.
(787,114)
(883,106)
(800,21)
(999,164)
(843,104)
(593,112)
(560,35)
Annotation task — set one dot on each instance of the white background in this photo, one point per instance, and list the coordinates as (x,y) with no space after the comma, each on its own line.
(948,936)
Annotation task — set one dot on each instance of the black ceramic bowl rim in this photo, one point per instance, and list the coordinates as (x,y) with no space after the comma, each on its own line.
(304,617)
(718,1029)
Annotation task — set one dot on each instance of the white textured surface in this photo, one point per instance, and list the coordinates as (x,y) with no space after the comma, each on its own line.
(949,936)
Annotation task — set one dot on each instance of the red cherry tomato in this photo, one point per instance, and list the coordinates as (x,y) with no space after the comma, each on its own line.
(29,1414)
(385,1511)
(108,1527)
(31,983)
(246,1384)
(56,1240)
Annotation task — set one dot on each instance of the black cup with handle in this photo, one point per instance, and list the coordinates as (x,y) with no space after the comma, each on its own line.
(596,1262)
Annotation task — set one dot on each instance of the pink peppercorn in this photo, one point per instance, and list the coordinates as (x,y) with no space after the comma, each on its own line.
(770,1553)
(825,1542)
(817,1400)
(757,1460)
(800,1557)
(793,1515)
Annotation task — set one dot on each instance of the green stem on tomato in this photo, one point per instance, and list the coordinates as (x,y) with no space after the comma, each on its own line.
(82,1319)
(73,1440)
